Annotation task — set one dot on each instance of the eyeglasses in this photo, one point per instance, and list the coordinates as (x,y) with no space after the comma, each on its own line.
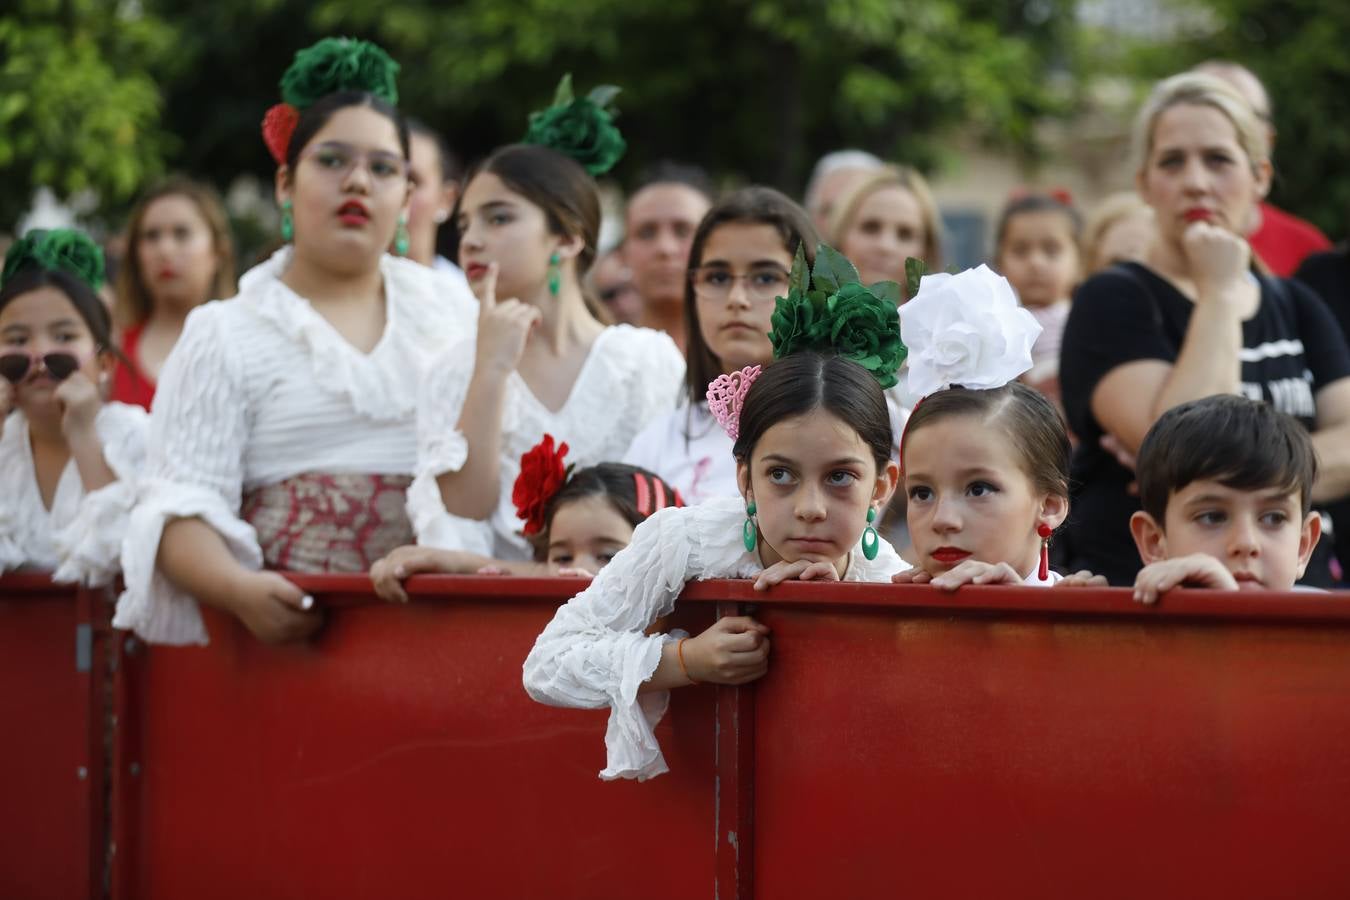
(716,282)
(339,160)
(14,366)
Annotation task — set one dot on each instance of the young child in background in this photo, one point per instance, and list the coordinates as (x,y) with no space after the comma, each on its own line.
(1225,484)
(1037,250)
(68,460)
(812,442)
(985,459)
(576,521)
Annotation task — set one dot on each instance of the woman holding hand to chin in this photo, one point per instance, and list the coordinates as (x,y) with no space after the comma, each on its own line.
(1192,320)
(284,427)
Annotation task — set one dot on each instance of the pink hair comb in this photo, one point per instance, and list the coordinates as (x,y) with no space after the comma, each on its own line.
(725,396)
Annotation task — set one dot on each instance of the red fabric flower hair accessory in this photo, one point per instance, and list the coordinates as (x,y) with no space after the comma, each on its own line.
(542,474)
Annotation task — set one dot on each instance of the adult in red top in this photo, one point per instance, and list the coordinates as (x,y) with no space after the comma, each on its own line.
(1279,239)
(179,255)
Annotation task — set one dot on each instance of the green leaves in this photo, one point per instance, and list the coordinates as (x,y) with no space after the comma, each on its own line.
(833,313)
(581,129)
(915,269)
(832,269)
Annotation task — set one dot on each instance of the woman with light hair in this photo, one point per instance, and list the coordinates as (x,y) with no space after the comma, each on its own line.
(884,218)
(1193,319)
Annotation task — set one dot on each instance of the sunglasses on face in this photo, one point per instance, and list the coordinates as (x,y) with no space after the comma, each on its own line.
(14,366)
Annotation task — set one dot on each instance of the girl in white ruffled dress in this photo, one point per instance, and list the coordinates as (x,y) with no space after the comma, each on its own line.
(812,441)
(541,361)
(68,460)
(985,459)
(284,427)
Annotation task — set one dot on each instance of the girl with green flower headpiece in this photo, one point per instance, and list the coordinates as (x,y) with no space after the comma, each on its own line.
(812,442)
(542,361)
(285,417)
(69,461)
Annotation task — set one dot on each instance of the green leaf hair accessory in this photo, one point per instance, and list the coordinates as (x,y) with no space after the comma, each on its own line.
(339,64)
(330,66)
(582,128)
(831,311)
(56,250)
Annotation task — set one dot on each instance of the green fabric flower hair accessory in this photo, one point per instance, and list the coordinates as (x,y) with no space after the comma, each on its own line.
(328,67)
(830,311)
(582,128)
(57,250)
(339,64)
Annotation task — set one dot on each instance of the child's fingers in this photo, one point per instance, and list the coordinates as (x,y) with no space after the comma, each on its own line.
(737,624)
(489,298)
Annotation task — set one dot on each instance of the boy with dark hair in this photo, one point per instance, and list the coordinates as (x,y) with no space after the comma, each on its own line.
(1225,484)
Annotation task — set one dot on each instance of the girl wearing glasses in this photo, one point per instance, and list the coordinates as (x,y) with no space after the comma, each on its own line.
(68,461)
(738,266)
(542,361)
(284,425)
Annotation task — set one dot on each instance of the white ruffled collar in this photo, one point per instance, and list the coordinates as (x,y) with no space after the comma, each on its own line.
(382,384)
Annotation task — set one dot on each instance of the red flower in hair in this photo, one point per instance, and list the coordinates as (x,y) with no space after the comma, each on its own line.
(541,475)
(277,127)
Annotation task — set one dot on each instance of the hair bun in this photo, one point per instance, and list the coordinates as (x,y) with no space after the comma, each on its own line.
(829,310)
(56,250)
(339,64)
(580,127)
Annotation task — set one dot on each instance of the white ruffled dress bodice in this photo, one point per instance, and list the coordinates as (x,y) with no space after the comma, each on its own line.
(261,388)
(595,652)
(630,376)
(80,538)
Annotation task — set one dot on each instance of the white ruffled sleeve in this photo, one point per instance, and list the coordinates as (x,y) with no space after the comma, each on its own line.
(90,546)
(441,448)
(198,433)
(594,653)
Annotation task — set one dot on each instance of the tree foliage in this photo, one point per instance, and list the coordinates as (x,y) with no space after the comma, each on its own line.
(79,102)
(750,89)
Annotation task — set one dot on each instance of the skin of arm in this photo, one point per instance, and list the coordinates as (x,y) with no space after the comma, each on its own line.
(472,492)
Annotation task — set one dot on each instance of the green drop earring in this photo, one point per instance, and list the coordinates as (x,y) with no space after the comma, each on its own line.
(749,530)
(287,223)
(554,274)
(871,544)
(401,237)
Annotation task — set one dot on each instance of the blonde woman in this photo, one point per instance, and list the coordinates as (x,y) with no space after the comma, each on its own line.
(884,218)
(1193,319)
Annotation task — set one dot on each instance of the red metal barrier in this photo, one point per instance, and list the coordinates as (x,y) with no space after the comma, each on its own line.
(398,756)
(51,751)
(1009,742)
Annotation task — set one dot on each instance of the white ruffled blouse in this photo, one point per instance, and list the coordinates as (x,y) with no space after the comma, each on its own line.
(261,388)
(594,653)
(80,537)
(631,376)
(690,451)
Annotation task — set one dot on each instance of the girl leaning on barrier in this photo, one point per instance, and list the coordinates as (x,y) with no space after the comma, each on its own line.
(284,431)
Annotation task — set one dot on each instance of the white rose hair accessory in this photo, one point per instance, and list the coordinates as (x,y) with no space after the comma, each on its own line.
(966,330)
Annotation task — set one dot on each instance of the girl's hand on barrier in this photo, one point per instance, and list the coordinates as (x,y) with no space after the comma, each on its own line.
(802,570)
(972,571)
(735,650)
(1196,570)
(275,610)
(1082,579)
(388,574)
(575,572)
(912,575)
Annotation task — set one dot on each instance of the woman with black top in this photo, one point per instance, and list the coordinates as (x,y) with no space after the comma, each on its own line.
(1194,319)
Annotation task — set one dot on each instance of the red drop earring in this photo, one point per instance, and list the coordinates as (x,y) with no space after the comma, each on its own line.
(1044,530)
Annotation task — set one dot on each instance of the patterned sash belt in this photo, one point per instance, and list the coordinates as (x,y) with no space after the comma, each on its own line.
(318,522)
